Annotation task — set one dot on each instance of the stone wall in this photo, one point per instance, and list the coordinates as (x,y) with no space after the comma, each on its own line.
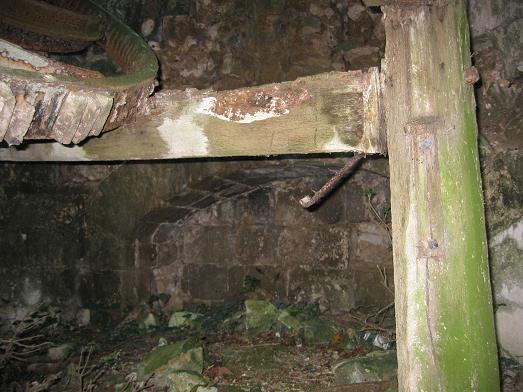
(207,242)
(497,41)
(229,44)
(108,236)
(105,236)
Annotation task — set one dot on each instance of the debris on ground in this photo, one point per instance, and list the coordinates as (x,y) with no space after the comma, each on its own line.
(59,353)
(260,316)
(185,355)
(147,321)
(183,319)
(254,344)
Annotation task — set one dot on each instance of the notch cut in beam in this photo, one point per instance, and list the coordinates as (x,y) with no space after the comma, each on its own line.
(326,113)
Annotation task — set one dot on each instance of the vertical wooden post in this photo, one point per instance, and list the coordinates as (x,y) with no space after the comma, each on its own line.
(445,326)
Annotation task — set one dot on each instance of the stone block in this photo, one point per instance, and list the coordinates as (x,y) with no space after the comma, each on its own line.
(218,214)
(251,178)
(254,245)
(213,185)
(166,232)
(107,251)
(272,279)
(369,290)
(206,202)
(256,207)
(372,244)
(289,212)
(235,280)
(59,283)
(355,207)
(144,231)
(508,332)
(206,281)
(188,198)
(169,279)
(209,244)
(333,290)
(135,286)
(375,366)
(146,254)
(166,215)
(234,190)
(315,247)
(170,252)
(100,289)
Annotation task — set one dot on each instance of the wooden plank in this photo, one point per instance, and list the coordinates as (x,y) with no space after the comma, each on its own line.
(445,327)
(332,112)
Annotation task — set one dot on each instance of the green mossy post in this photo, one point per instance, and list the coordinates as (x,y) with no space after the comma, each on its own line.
(445,326)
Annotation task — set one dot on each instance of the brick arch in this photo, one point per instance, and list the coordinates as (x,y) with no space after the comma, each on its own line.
(200,245)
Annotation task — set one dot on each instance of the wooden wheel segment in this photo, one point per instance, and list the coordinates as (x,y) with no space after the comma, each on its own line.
(45,99)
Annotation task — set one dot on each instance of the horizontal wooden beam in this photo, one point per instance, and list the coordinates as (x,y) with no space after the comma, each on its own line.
(332,112)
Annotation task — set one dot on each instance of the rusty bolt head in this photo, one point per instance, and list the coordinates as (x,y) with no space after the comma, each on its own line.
(471,76)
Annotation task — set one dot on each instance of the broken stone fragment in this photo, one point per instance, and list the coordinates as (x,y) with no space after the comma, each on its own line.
(350,340)
(260,316)
(206,389)
(313,331)
(185,381)
(147,27)
(184,355)
(83,317)
(147,321)
(183,319)
(355,11)
(289,321)
(318,331)
(375,366)
(59,353)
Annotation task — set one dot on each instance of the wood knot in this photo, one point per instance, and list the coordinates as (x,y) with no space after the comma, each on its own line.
(471,76)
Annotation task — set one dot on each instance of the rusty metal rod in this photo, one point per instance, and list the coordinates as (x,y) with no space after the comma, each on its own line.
(351,165)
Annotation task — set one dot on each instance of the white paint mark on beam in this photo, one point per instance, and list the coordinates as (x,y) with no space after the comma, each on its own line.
(184,137)
(208,104)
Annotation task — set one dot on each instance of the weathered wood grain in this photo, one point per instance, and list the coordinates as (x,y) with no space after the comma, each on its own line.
(445,328)
(332,112)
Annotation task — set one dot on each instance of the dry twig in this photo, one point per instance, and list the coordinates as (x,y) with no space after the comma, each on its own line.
(23,342)
(45,384)
(84,370)
(132,385)
(370,326)
(385,280)
(377,216)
